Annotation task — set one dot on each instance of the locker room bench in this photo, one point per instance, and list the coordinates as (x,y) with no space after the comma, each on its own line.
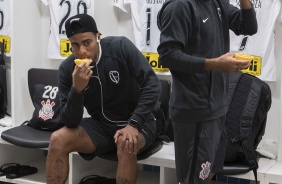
(28,137)
(269,171)
(163,157)
(274,174)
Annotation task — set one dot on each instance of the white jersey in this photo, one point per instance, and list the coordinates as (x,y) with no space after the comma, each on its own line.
(262,43)
(144,19)
(5,25)
(59,46)
(146,32)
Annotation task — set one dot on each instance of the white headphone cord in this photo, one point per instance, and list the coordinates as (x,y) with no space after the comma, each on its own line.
(102,102)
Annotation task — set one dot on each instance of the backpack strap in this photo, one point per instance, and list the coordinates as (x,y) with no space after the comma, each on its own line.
(247,120)
(233,81)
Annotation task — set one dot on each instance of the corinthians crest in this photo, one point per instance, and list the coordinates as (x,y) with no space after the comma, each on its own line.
(206,167)
(46,111)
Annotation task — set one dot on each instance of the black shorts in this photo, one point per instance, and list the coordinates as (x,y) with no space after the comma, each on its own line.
(102,135)
(199,149)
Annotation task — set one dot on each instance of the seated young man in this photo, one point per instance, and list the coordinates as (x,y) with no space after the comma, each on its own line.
(119,90)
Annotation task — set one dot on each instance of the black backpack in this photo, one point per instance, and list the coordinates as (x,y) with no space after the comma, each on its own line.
(44,93)
(161,113)
(3,84)
(46,114)
(249,100)
(161,121)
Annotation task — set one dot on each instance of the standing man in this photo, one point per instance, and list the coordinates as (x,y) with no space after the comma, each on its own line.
(119,90)
(194,45)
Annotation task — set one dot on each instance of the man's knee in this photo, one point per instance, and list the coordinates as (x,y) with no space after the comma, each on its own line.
(59,141)
(123,152)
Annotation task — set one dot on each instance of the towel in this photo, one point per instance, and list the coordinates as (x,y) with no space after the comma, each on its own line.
(268,148)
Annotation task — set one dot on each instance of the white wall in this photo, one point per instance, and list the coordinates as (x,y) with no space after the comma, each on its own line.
(26,53)
(274,116)
(275,123)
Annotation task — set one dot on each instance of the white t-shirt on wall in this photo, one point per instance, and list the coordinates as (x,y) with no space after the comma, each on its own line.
(146,32)
(5,25)
(262,43)
(144,19)
(58,46)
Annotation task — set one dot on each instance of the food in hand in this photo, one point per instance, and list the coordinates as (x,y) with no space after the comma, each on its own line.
(246,57)
(79,61)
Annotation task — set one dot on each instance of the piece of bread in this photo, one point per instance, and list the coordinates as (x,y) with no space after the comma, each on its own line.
(79,61)
(246,57)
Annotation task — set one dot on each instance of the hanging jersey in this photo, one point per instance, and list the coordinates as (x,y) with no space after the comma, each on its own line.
(262,43)
(59,46)
(5,26)
(146,32)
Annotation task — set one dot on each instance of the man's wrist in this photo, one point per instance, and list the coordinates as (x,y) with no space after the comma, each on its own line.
(134,123)
(209,65)
(245,4)
(78,91)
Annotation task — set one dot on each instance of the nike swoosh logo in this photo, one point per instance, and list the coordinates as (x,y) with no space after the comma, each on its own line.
(205,20)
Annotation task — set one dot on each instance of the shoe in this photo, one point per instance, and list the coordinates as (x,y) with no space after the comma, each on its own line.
(95,179)
(20,171)
(8,168)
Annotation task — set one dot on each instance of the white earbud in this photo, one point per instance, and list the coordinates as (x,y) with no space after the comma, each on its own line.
(98,40)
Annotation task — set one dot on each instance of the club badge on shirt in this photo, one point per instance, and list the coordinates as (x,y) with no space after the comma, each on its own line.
(47,110)
(206,168)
